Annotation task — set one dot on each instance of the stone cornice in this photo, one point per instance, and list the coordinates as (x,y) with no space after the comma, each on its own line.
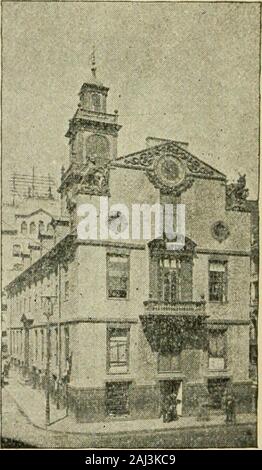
(77,124)
(226,321)
(112,244)
(103,319)
(209,251)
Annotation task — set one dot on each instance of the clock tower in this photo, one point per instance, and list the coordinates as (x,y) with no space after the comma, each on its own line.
(92,138)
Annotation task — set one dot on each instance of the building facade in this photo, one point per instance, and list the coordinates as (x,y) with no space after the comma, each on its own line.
(254,296)
(132,320)
(26,216)
(26,228)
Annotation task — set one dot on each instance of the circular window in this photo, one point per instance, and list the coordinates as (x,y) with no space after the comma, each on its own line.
(220,231)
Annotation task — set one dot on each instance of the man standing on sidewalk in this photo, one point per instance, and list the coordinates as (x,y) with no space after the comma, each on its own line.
(230,406)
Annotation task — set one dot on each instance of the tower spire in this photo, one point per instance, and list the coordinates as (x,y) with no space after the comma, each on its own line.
(93,62)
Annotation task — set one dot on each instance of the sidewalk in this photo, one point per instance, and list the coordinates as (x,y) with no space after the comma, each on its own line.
(32,404)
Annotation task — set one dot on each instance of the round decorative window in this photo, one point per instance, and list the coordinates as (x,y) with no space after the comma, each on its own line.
(220,231)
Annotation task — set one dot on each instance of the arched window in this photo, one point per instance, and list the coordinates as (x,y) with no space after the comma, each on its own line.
(97,149)
(24,228)
(41,226)
(96,102)
(32,228)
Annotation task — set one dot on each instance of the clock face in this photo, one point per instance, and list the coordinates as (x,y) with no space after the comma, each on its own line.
(170,170)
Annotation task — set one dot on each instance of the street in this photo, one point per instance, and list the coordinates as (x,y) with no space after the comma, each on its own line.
(17,429)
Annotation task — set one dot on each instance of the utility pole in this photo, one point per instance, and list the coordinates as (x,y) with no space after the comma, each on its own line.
(48,313)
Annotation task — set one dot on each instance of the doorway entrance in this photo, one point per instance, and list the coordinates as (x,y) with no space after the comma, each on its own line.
(167,387)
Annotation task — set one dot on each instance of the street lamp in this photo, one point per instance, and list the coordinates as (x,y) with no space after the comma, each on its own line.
(48,314)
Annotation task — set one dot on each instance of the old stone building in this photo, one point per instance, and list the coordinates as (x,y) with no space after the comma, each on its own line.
(26,232)
(254,297)
(26,216)
(132,320)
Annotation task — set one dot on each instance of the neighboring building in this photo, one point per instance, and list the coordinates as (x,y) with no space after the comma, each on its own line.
(131,319)
(254,288)
(24,219)
(26,228)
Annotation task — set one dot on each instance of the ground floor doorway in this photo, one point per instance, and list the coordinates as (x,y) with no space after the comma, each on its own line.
(168,387)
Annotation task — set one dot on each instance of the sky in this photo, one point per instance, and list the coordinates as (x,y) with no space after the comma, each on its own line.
(187,72)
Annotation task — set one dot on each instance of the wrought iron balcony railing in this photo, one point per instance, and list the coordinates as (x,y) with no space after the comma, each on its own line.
(178,308)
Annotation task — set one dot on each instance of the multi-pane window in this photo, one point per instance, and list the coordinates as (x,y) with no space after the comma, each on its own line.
(170,279)
(118,345)
(117,276)
(169,274)
(217,350)
(168,362)
(218,281)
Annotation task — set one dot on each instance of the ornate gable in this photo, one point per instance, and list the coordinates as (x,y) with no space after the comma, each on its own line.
(169,167)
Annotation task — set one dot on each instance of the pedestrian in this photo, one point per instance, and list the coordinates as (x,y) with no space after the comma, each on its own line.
(171,411)
(230,405)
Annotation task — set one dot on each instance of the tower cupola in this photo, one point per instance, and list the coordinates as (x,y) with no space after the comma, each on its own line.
(93,93)
(92,137)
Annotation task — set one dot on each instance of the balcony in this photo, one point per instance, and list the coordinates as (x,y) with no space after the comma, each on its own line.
(187,308)
(99,116)
(168,326)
